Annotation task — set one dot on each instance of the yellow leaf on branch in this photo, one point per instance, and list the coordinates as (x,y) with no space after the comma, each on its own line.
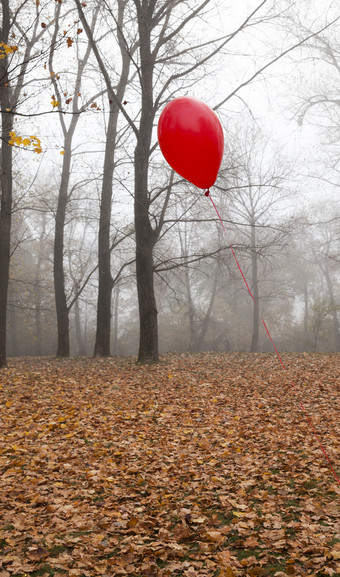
(19,141)
(14,139)
(6,50)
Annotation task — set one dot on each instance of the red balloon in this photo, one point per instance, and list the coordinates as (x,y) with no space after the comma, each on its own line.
(191,139)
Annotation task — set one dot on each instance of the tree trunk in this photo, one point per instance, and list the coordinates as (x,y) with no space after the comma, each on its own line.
(116,322)
(191,313)
(62,309)
(145,236)
(38,292)
(79,337)
(12,332)
(305,315)
(105,286)
(148,339)
(145,239)
(105,281)
(191,306)
(5,229)
(255,291)
(6,185)
(63,346)
(207,316)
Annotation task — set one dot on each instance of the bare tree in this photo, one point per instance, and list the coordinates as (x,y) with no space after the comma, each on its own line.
(6,99)
(317,94)
(115,90)
(332,302)
(106,282)
(314,272)
(326,250)
(160,25)
(15,62)
(255,197)
(68,130)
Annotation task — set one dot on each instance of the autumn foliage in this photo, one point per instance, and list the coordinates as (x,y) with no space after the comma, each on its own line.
(28,141)
(201,465)
(6,50)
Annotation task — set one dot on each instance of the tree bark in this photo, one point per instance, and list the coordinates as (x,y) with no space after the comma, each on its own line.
(5,229)
(63,346)
(191,306)
(12,330)
(255,292)
(145,235)
(105,281)
(116,322)
(62,308)
(305,314)
(6,185)
(79,336)
(38,292)
(191,311)
(62,311)
(207,316)
(148,339)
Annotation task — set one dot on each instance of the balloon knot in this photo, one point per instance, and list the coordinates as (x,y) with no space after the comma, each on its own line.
(207,192)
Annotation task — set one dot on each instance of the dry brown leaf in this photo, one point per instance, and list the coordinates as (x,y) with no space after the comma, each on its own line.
(118,460)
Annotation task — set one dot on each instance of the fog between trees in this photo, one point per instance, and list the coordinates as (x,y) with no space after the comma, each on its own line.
(87,82)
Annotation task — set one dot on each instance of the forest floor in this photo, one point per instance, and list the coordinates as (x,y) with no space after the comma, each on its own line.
(201,465)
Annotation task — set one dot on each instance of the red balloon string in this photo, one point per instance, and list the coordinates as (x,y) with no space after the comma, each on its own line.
(207,193)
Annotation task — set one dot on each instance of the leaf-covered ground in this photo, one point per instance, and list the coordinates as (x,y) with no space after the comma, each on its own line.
(202,465)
